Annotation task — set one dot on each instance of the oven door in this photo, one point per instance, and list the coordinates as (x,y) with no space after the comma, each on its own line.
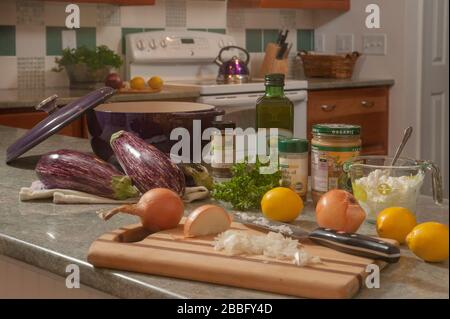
(240,108)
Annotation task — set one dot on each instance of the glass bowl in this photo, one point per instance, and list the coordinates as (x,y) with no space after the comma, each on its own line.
(377,185)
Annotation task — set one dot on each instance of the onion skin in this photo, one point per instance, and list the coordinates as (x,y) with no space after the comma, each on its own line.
(339,210)
(146,165)
(158,209)
(68,169)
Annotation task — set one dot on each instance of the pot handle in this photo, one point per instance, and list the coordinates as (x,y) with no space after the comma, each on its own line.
(188,115)
(436,181)
(247,55)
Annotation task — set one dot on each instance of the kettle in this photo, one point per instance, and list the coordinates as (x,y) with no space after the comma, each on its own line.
(234,70)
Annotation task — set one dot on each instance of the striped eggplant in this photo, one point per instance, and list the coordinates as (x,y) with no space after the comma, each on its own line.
(67,169)
(146,165)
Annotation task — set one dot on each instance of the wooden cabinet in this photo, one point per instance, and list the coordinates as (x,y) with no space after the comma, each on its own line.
(28,118)
(368,107)
(118,2)
(342,5)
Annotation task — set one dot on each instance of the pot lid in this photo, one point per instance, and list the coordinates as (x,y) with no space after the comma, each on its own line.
(56,120)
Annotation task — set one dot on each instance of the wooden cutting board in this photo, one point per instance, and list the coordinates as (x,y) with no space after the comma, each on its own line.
(168,253)
(144,90)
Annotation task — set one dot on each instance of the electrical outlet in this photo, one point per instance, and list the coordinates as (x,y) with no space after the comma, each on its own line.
(319,42)
(344,43)
(69,39)
(374,44)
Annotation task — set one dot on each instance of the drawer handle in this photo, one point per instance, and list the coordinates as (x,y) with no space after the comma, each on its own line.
(328,108)
(367,104)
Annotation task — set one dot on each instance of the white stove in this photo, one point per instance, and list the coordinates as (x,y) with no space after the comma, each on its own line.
(186,59)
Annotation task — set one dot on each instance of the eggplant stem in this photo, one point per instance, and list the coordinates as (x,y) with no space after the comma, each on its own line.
(127,209)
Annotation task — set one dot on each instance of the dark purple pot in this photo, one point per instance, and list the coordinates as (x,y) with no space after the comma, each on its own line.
(153,121)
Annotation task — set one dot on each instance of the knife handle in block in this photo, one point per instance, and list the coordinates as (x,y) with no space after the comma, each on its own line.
(356,244)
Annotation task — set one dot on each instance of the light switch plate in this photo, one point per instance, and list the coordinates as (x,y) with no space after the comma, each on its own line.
(69,39)
(344,43)
(374,44)
(319,42)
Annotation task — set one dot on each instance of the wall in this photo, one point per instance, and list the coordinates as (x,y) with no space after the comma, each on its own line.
(400,20)
(31,31)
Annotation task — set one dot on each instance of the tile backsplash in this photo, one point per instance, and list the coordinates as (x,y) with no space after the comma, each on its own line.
(32,33)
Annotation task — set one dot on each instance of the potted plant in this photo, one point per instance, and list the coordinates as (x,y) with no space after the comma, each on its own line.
(86,67)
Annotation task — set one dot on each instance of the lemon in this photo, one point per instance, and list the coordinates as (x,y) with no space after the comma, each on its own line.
(281,204)
(137,83)
(155,82)
(429,241)
(359,193)
(395,223)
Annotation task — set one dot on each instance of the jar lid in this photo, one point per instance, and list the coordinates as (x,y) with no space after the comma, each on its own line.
(221,125)
(293,145)
(336,129)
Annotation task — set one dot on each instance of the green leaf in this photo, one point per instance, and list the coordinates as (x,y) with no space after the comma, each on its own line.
(247,186)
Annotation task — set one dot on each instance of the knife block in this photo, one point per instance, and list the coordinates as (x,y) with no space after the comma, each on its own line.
(271,64)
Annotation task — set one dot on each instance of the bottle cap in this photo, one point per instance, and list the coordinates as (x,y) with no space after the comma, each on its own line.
(221,125)
(276,79)
(293,145)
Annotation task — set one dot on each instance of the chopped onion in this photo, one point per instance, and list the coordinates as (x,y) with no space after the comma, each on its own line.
(272,245)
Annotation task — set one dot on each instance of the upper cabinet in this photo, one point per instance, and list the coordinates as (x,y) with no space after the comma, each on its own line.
(342,5)
(118,2)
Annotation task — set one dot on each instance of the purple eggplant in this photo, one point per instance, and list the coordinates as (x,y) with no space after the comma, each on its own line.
(83,172)
(146,165)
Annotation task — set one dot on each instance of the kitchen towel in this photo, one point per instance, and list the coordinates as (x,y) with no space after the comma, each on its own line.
(37,190)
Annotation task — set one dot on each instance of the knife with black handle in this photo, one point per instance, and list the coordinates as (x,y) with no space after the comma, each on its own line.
(356,244)
(350,243)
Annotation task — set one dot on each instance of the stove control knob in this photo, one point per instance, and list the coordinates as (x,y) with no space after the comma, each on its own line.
(230,43)
(163,43)
(140,45)
(221,43)
(192,52)
(152,44)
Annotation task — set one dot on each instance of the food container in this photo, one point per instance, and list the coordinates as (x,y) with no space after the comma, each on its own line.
(223,156)
(293,159)
(153,121)
(377,186)
(331,146)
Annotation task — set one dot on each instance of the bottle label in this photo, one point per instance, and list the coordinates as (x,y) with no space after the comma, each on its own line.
(294,170)
(326,166)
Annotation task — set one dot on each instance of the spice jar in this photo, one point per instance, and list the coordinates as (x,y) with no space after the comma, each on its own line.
(293,159)
(331,146)
(222,150)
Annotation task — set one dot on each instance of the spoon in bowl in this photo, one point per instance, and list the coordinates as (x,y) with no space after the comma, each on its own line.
(406,135)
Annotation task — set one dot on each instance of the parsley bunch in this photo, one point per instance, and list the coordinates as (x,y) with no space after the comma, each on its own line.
(94,59)
(247,186)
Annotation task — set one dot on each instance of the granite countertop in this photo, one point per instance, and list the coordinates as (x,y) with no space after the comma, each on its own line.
(51,236)
(325,84)
(31,97)
(10,99)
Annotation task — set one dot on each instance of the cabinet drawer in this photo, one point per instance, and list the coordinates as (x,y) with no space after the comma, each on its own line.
(27,120)
(324,105)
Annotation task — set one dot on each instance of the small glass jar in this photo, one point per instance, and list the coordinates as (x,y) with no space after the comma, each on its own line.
(222,150)
(293,159)
(331,146)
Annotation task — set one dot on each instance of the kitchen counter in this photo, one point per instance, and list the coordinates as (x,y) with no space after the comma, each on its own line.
(10,99)
(327,84)
(31,97)
(51,236)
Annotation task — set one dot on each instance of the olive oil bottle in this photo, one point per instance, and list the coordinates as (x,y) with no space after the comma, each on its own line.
(274,109)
